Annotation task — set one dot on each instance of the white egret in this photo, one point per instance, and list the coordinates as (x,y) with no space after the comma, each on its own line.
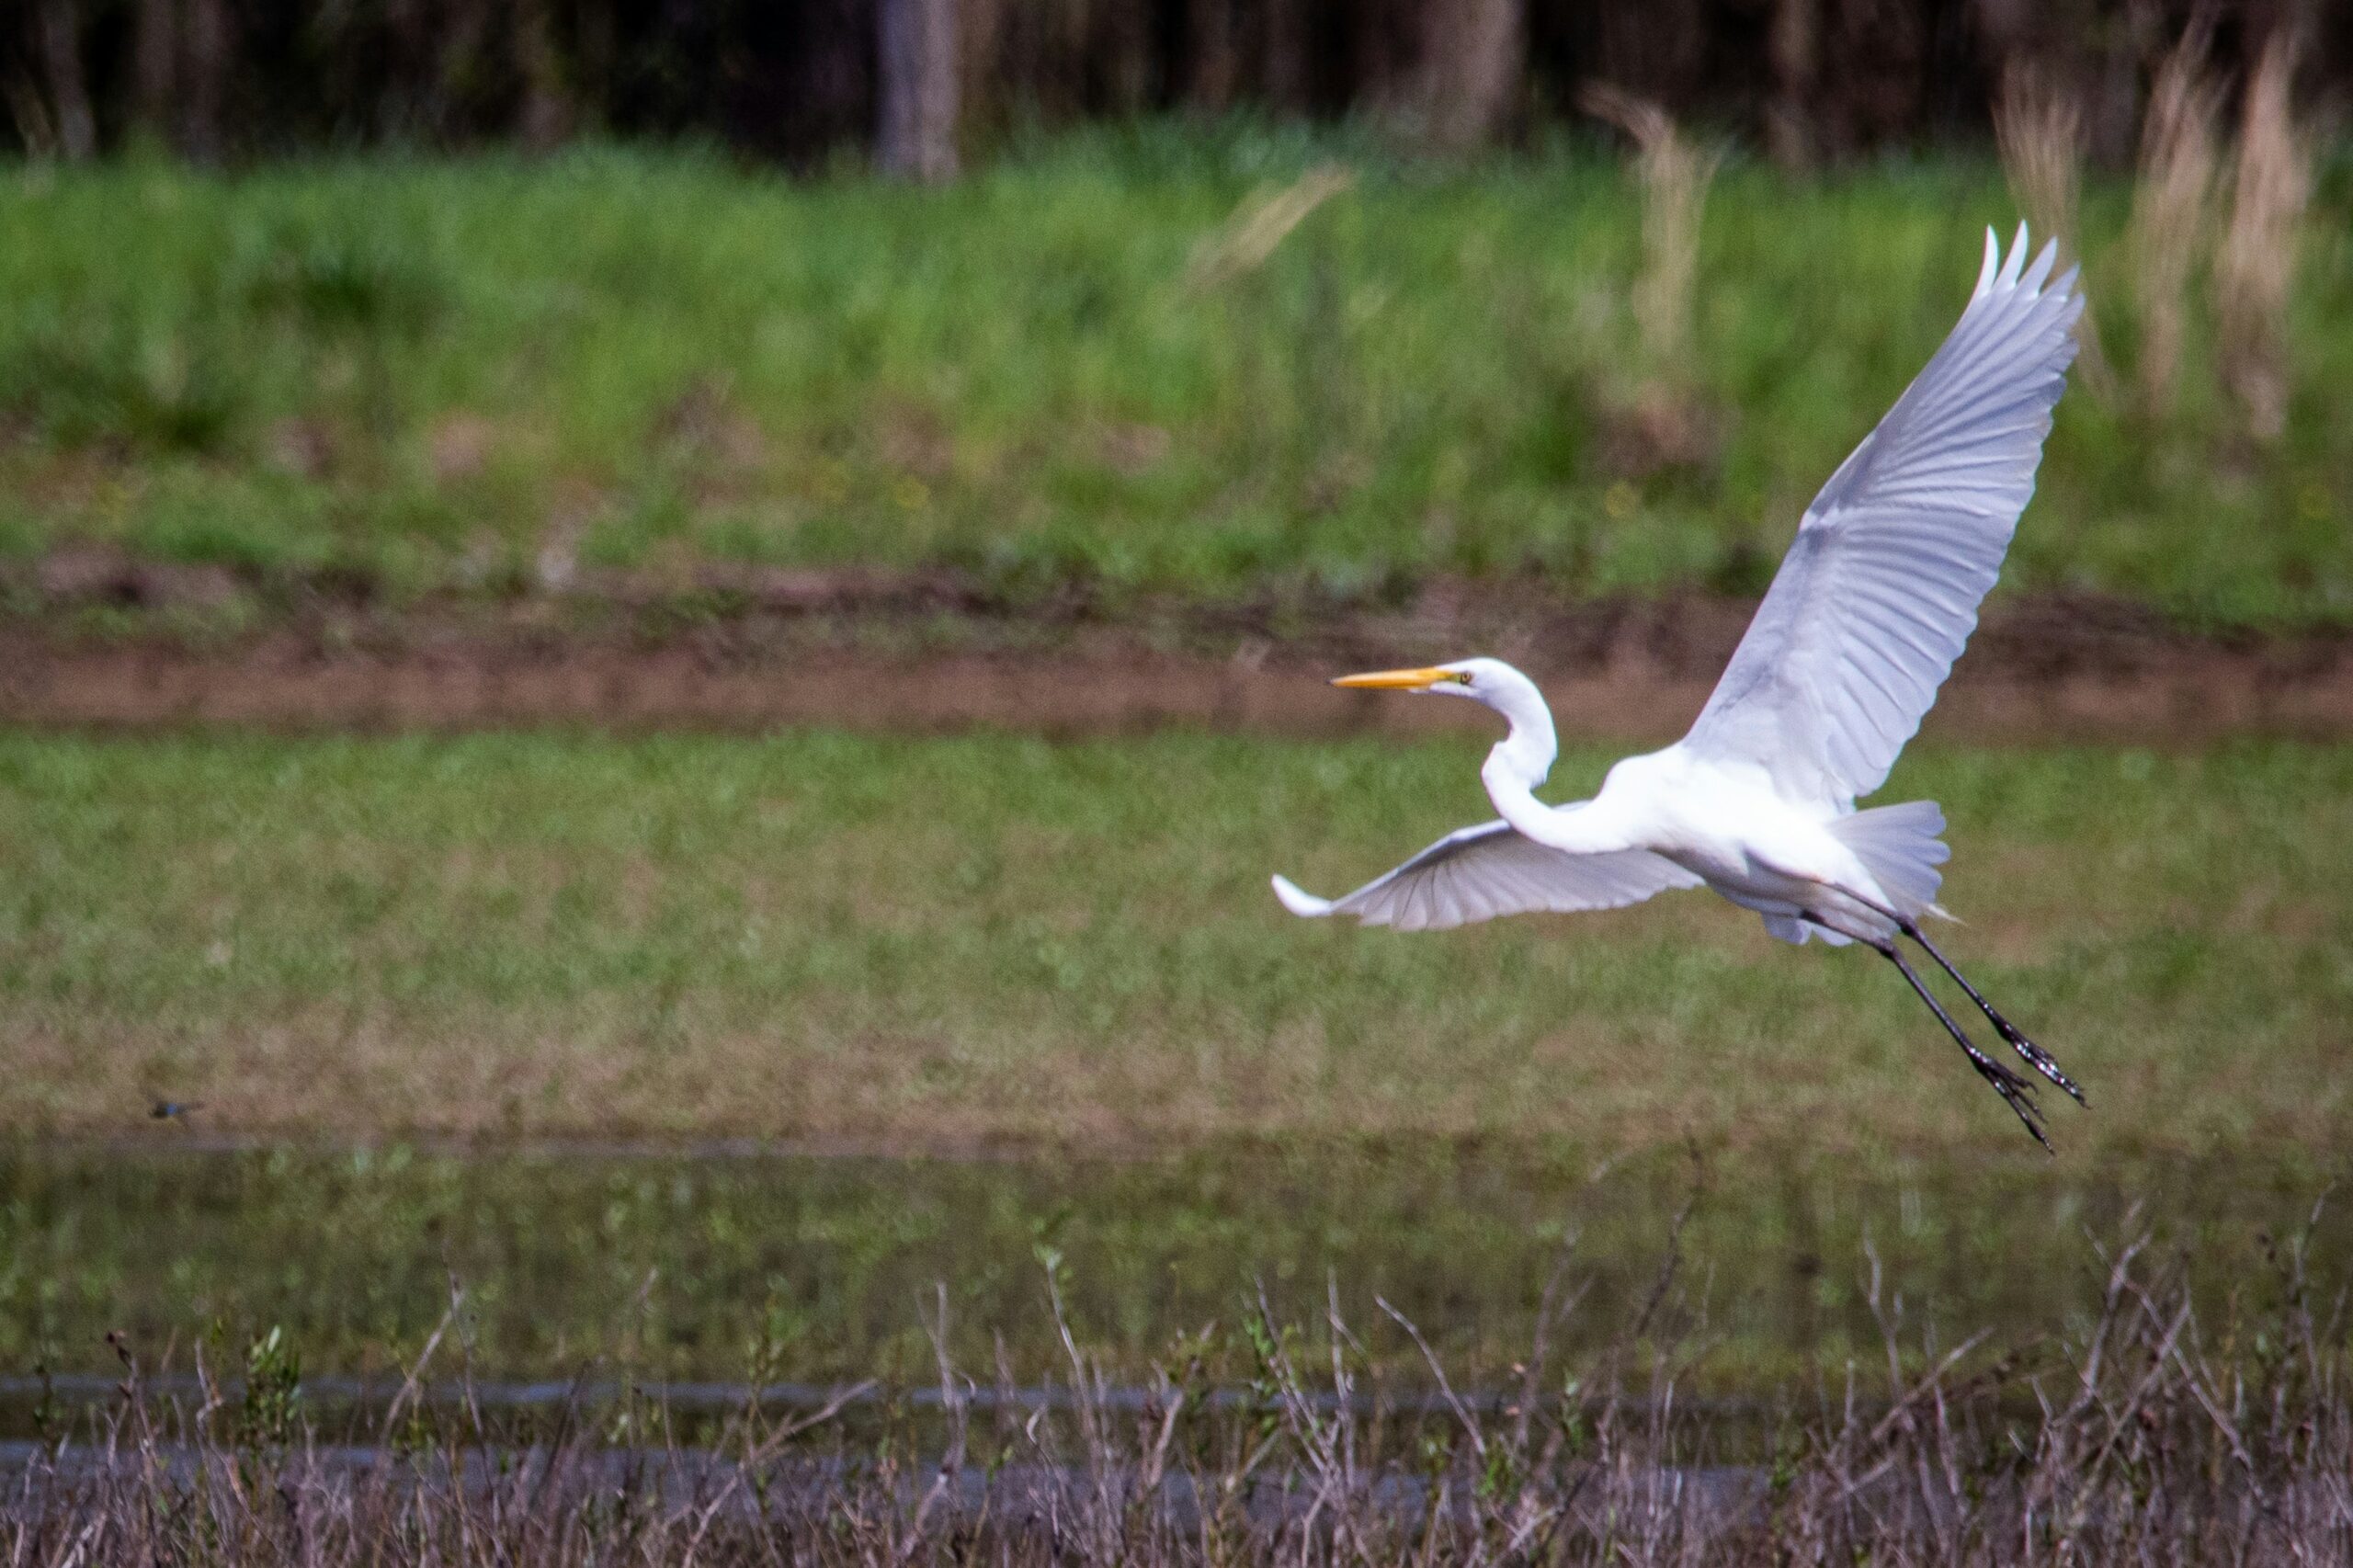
(1872,605)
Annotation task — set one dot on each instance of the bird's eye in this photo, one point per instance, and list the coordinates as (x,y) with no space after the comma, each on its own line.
(1459,678)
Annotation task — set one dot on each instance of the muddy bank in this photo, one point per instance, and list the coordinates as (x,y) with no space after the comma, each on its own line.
(112,646)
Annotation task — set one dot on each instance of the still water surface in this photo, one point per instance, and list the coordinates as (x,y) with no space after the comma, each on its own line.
(729,1264)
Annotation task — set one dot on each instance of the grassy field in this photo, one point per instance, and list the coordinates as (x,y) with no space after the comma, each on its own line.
(1066,953)
(1074,367)
(994,938)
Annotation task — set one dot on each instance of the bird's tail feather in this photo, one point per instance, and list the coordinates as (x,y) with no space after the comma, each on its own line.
(1900,846)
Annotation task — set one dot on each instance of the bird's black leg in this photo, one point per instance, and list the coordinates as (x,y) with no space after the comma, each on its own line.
(2036,1057)
(2016,1092)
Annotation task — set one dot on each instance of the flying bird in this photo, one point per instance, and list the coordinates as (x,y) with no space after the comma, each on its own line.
(1873,603)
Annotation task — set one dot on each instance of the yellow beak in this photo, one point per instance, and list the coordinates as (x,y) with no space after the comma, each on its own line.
(1397,680)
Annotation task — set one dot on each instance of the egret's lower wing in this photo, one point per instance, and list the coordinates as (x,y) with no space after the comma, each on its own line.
(1484,872)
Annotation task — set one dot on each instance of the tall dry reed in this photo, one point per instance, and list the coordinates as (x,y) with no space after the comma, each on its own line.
(2256,262)
(1673,174)
(2148,1437)
(2173,213)
(1260,223)
(2038,129)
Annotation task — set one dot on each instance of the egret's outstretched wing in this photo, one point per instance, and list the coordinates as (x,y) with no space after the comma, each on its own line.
(1880,591)
(1481,873)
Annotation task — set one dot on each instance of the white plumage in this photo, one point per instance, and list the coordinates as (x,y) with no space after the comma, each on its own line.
(1484,872)
(1873,603)
(1879,590)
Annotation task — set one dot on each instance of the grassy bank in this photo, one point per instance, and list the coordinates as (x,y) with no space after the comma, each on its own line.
(995,938)
(1083,365)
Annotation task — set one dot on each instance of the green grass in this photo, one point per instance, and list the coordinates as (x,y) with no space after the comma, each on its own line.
(998,938)
(1068,951)
(426,374)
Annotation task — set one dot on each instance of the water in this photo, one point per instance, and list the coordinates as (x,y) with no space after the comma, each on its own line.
(735,1266)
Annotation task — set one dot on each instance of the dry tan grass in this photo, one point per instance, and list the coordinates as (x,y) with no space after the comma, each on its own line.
(1674,174)
(827,1073)
(2173,212)
(2255,264)
(2142,1437)
(1261,222)
(2039,127)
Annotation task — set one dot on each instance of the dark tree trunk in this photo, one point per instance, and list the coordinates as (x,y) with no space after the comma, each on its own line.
(1120,40)
(1796,51)
(465,35)
(403,107)
(1282,48)
(919,81)
(60,25)
(980,49)
(546,116)
(593,52)
(155,45)
(207,56)
(1474,53)
(1209,46)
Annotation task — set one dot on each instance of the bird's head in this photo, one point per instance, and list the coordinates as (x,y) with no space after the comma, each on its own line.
(1488,681)
(1524,756)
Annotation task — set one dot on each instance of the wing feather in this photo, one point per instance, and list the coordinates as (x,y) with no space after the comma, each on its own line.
(1880,588)
(1488,872)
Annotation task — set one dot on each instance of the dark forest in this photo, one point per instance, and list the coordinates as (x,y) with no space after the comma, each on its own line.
(922,83)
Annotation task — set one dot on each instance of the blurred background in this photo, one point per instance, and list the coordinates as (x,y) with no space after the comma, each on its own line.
(653,655)
(921,84)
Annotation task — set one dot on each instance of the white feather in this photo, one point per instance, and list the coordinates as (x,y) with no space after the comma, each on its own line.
(1880,588)
(1489,871)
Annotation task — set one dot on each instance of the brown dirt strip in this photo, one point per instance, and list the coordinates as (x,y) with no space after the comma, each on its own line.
(754,650)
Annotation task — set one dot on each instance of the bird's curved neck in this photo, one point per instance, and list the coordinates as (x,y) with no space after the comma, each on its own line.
(1520,762)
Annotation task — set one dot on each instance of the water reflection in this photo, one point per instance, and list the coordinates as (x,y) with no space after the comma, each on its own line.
(736,1264)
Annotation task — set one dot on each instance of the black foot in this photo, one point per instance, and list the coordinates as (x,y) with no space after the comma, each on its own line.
(2016,1092)
(2036,1057)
